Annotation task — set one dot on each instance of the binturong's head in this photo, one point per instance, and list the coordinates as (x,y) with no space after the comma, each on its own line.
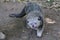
(34,22)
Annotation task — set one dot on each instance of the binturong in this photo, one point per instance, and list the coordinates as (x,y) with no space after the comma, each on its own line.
(34,17)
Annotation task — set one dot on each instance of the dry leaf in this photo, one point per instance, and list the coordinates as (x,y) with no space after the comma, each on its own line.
(48,20)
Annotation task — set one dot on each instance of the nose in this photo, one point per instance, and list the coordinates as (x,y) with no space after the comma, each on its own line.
(32,25)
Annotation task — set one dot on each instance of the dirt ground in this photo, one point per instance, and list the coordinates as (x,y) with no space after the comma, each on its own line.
(14,28)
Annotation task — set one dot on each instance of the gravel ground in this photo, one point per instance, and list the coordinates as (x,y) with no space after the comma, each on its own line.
(14,28)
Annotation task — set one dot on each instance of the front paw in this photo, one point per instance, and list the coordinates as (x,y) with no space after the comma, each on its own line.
(39,33)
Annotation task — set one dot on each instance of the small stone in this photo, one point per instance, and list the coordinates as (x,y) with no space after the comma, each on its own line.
(47,33)
(19,0)
(2,36)
(23,31)
(48,0)
(58,32)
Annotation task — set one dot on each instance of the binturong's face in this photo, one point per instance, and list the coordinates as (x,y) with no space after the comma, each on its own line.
(34,22)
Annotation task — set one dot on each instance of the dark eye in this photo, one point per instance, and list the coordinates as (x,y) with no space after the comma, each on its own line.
(39,18)
(27,21)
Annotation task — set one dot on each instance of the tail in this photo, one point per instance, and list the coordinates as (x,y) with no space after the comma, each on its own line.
(18,15)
